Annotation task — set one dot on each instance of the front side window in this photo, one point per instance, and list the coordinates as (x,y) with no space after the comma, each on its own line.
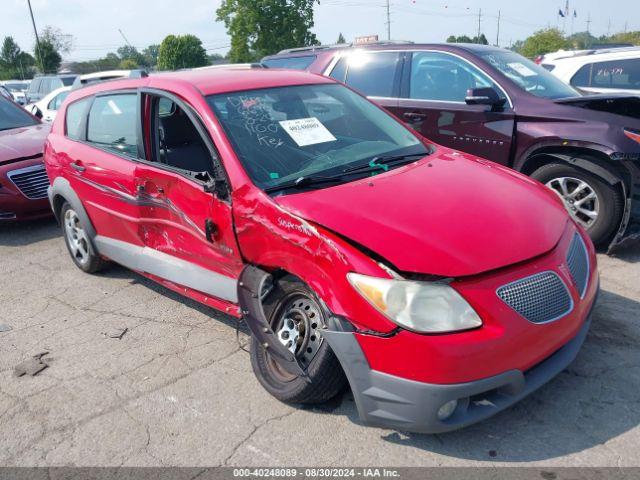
(282,134)
(113,122)
(372,73)
(443,77)
(13,116)
(620,74)
(291,63)
(582,78)
(528,76)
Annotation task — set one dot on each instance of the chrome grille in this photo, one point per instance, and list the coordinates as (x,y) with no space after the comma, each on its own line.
(31,181)
(578,263)
(539,298)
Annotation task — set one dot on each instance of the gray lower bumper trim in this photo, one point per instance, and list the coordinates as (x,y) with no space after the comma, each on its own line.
(392,402)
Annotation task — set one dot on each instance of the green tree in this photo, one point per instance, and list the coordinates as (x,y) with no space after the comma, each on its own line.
(581,40)
(151,55)
(128,64)
(132,56)
(181,51)
(460,39)
(49,56)
(14,63)
(544,41)
(626,37)
(341,39)
(259,28)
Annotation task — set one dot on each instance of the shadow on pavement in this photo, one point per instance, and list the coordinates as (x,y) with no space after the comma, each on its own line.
(16,234)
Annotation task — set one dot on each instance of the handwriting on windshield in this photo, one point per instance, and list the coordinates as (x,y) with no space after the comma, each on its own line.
(257,120)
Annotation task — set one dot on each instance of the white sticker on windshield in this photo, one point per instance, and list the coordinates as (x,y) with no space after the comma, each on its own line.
(307,131)
(522,69)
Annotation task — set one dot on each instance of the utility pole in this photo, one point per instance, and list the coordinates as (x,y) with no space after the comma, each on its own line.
(588,22)
(609,27)
(498,34)
(35,30)
(388,21)
(125,38)
(479,23)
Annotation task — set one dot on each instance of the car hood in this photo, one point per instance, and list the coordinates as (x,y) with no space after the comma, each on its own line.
(618,104)
(22,142)
(449,214)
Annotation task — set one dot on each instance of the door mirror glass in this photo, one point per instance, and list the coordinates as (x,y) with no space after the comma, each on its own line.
(484,96)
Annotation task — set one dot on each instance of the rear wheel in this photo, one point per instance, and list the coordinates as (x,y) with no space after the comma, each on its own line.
(77,241)
(590,200)
(296,317)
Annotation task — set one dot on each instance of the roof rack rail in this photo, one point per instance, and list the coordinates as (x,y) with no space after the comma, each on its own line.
(314,48)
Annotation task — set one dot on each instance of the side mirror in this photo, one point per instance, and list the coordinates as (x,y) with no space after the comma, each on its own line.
(37,112)
(484,96)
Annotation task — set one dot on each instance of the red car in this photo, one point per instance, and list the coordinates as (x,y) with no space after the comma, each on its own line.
(347,242)
(23,179)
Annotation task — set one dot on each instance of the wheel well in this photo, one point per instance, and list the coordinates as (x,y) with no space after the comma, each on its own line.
(58,201)
(598,161)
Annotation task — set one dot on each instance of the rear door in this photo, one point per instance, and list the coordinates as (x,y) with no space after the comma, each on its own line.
(433,92)
(185,211)
(101,161)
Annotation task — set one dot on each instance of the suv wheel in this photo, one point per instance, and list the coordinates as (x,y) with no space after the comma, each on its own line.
(77,240)
(296,317)
(591,201)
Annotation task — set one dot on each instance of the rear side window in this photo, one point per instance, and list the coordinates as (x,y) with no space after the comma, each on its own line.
(339,72)
(292,63)
(623,74)
(113,123)
(34,85)
(373,74)
(67,81)
(74,119)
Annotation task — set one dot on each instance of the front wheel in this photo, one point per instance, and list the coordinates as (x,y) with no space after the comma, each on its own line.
(590,200)
(295,315)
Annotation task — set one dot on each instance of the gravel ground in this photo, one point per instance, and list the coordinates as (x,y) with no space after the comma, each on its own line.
(178,390)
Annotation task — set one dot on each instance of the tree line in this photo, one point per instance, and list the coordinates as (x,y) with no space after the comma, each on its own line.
(256,29)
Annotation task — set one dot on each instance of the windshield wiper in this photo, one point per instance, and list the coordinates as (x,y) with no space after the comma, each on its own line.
(302,182)
(383,162)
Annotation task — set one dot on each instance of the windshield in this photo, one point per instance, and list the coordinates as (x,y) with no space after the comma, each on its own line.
(282,134)
(528,76)
(16,87)
(13,116)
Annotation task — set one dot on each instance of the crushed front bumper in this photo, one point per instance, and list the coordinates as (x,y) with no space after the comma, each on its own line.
(388,401)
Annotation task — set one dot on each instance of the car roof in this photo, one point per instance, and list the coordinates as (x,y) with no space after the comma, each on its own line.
(469,47)
(590,56)
(212,81)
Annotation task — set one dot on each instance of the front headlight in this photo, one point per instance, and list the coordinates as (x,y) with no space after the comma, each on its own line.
(417,306)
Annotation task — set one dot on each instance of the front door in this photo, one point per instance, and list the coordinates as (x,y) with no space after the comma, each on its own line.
(434,88)
(185,222)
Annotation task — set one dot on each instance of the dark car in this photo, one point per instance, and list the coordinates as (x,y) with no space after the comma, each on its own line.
(496,104)
(23,179)
(43,85)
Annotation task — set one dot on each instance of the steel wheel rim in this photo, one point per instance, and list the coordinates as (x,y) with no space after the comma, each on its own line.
(76,237)
(579,197)
(297,324)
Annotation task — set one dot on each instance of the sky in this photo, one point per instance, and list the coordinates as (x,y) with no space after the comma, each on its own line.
(95,24)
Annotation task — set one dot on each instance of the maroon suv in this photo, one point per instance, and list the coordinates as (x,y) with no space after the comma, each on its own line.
(23,179)
(497,104)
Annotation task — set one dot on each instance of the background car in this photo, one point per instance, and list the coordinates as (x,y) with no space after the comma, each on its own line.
(23,179)
(615,70)
(43,85)
(498,105)
(17,88)
(95,77)
(47,108)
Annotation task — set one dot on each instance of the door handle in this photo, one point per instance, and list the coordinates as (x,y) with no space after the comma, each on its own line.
(414,117)
(210,230)
(78,167)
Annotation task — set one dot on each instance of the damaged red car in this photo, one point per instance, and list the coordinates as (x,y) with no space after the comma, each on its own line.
(350,245)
